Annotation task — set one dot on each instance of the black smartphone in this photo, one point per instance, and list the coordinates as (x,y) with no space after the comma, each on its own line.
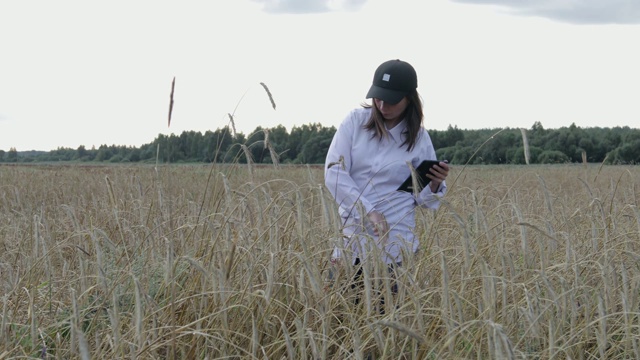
(421,173)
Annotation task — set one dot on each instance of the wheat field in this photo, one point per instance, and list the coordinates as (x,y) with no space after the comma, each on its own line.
(208,262)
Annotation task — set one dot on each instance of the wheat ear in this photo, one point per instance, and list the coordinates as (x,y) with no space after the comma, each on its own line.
(273,103)
(173,86)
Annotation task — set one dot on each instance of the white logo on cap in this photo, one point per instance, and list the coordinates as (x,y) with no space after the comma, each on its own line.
(386,77)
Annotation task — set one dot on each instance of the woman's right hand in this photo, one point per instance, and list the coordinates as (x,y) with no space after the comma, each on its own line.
(438,174)
(380,226)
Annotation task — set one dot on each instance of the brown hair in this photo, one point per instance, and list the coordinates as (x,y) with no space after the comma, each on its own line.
(413,115)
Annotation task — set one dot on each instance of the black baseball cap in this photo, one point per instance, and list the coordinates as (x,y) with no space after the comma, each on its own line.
(393,80)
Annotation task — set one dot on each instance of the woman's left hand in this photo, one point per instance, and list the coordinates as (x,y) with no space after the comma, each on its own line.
(380,226)
(438,173)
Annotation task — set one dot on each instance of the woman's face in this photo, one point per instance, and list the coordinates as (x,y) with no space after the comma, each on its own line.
(392,112)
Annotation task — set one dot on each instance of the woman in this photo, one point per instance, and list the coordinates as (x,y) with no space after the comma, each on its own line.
(368,160)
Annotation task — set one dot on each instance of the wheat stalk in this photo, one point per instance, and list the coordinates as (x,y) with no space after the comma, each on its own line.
(247,154)
(114,319)
(75,318)
(82,343)
(139,333)
(266,138)
(525,144)
(275,158)
(3,323)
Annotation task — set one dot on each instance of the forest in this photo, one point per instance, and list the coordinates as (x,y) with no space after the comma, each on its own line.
(308,144)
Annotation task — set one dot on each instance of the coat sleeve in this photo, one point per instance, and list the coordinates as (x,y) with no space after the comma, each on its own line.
(337,170)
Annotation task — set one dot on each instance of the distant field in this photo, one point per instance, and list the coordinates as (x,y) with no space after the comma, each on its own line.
(195,261)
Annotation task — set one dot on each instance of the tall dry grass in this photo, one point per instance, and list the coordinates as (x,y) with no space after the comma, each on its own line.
(207,262)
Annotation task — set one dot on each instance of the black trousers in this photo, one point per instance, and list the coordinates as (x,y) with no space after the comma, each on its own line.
(357,283)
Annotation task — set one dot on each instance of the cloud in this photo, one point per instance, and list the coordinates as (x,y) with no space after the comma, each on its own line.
(309,6)
(573,11)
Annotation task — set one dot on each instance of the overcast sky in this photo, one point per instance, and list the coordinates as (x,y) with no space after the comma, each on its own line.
(90,73)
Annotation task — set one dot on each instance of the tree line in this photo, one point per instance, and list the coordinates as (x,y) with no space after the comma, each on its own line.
(308,144)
